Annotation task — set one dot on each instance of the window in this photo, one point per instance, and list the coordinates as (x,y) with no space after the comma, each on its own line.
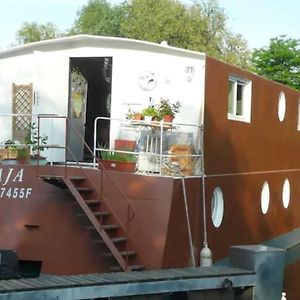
(217,207)
(281,106)
(239,99)
(286,193)
(265,198)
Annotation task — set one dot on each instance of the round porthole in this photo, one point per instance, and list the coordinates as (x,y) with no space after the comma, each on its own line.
(281,106)
(217,207)
(265,198)
(286,193)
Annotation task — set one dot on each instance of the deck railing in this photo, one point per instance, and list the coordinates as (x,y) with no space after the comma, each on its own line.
(165,149)
(52,128)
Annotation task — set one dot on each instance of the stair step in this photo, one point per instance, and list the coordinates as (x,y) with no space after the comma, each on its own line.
(95,213)
(105,227)
(110,227)
(84,189)
(92,202)
(77,178)
(130,268)
(123,253)
(114,240)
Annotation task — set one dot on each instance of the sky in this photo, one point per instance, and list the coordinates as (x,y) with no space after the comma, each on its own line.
(257,20)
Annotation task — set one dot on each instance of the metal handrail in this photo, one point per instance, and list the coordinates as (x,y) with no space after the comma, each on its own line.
(131,211)
(159,125)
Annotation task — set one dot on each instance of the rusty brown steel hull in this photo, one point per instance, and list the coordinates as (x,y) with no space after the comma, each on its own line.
(43,225)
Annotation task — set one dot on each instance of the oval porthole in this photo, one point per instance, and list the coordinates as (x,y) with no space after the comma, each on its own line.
(286,193)
(281,106)
(265,198)
(217,207)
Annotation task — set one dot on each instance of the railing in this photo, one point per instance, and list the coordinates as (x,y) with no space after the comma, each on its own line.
(165,149)
(130,211)
(61,144)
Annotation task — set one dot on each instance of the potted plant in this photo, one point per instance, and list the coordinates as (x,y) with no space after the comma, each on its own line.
(137,116)
(150,113)
(113,160)
(36,144)
(9,153)
(168,110)
(23,154)
(10,149)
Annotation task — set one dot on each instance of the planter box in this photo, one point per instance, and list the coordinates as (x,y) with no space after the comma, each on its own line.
(8,153)
(124,144)
(122,166)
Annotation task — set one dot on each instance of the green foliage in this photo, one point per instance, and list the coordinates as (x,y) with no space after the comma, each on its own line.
(166,108)
(150,111)
(10,144)
(23,152)
(117,156)
(199,27)
(100,18)
(33,32)
(35,141)
(280,61)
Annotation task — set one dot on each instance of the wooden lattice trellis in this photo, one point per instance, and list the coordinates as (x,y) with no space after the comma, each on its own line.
(22,104)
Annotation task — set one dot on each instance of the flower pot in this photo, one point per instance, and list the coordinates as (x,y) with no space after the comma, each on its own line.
(168,119)
(22,161)
(148,119)
(137,116)
(125,144)
(122,166)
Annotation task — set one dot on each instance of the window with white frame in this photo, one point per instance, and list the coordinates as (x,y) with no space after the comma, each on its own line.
(239,99)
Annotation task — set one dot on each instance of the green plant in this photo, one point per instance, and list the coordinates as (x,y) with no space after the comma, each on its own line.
(35,141)
(10,144)
(23,152)
(165,108)
(150,111)
(118,156)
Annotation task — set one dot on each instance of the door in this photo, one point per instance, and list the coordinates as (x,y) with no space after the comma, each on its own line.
(76,115)
(89,98)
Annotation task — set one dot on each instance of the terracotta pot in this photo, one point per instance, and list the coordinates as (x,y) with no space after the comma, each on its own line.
(22,161)
(122,166)
(137,116)
(168,119)
(125,144)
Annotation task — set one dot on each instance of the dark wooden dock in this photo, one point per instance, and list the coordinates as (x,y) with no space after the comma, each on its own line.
(188,283)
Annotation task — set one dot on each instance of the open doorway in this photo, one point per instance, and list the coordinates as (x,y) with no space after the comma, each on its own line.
(89,97)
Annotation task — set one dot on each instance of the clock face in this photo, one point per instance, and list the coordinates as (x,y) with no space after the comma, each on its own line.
(147,80)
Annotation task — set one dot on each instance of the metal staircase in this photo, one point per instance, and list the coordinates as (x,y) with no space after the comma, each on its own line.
(102,224)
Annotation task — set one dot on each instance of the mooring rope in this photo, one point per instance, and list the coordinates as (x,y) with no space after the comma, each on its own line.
(188,223)
(205,238)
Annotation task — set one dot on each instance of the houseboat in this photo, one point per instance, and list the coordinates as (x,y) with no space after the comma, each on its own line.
(223,172)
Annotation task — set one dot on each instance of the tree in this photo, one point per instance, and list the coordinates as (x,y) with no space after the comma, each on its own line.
(280,61)
(33,32)
(100,18)
(199,27)
(156,21)
(235,50)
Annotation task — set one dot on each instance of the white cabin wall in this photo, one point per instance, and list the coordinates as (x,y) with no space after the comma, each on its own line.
(49,72)
(51,86)
(16,70)
(172,83)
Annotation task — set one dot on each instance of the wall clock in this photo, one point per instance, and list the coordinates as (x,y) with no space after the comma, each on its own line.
(147,80)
